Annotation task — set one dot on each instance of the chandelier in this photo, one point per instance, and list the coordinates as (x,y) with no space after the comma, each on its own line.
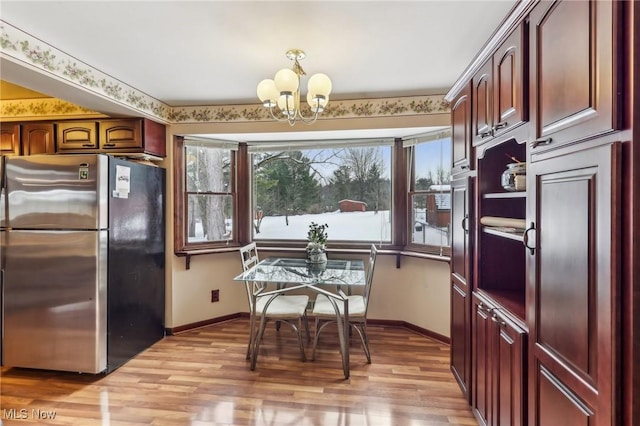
(283,92)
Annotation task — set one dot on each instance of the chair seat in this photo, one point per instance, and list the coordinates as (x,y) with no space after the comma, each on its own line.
(283,306)
(323,307)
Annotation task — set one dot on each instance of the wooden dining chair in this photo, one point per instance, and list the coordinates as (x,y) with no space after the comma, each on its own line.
(290,309)
(325,314)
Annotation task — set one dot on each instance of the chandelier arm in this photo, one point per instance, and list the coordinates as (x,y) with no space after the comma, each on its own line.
(275,117)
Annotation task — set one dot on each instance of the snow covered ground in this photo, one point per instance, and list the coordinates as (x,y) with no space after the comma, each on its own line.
(363,226)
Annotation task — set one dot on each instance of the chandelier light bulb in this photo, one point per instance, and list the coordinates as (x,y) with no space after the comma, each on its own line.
(267,92)
(287,105)
(319,84)
(286,80)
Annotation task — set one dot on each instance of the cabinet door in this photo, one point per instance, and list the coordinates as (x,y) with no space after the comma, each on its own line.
(119,134)
(508,386)
(573,65)
(38,138)
(509,78)
(482,112)
(573,288)
(481,360)
(461,272)
(9,139)
(77,135)
(460,131)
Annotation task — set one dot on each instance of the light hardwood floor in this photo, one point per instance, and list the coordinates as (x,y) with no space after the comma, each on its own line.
(201,377)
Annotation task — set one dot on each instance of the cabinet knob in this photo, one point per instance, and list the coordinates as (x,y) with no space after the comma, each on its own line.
(539,142)
(486,134)
(525,238)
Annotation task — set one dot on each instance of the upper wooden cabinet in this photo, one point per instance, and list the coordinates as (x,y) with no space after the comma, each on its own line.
(499,89)
(130,136)
(573,58)
(77,135)
(27,139)
(38,138)
(482,83)
(9,139)
(510,82)
(461,132)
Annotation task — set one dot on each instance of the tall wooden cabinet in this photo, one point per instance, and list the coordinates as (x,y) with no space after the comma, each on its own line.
(551,260)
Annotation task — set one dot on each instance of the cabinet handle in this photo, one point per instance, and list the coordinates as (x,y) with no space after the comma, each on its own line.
(500,125)
(109,145)
(464,166)
(539,142)
(463,223)
(525,238)
(482,307)
(486,134)
(494,318)
(88,145)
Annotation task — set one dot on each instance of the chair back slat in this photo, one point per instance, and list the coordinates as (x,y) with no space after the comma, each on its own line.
(250,258)
(369,275)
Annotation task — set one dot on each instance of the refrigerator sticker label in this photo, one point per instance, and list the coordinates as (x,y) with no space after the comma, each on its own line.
(83,172)
(123,185)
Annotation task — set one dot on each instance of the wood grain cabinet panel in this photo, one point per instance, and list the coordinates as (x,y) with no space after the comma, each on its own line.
(510,89)
(76,136)
(573,283)
(481,360)
(119,134)
(461,132)
(573,45)
(482,109)
(9,139)
(38,138)
(461,273)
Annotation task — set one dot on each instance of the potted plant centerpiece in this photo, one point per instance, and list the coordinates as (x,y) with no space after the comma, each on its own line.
(316,248)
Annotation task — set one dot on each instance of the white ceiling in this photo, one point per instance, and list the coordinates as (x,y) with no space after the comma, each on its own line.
(188,53)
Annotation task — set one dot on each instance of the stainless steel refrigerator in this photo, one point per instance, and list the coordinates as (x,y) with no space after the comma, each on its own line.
(82,261)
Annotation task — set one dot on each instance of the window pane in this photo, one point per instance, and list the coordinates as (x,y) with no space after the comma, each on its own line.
(210,218)
(348,189)
(207,169)
(432,160)
(431,213)
(430,199)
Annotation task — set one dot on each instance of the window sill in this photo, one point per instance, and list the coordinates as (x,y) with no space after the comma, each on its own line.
(187,254)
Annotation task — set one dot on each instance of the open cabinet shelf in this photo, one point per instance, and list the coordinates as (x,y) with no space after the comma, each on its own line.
(501,252)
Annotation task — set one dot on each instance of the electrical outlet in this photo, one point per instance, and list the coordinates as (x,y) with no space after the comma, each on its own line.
(215,296)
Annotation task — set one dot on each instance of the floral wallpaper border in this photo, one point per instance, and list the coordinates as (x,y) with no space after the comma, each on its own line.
(47,59)
(46,107)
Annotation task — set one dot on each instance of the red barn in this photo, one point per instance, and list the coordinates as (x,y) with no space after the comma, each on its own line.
(352,206)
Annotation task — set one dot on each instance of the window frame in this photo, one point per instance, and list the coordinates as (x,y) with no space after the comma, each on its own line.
(293,145)
(182,245)
(409,145)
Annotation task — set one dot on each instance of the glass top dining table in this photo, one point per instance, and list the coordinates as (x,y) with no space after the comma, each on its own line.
(299,271)
(329,279)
